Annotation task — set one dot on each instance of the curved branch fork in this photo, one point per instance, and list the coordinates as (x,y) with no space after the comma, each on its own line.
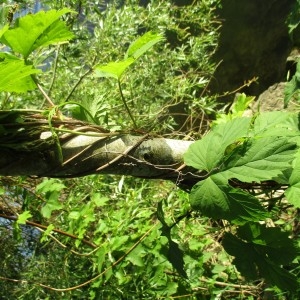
(33,145)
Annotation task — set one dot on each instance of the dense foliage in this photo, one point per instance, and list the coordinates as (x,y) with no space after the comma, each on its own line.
(145,67)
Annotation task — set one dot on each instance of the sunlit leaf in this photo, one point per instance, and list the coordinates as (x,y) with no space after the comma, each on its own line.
(259,159)
(206,153)
(3,30)
(237,109)
(23,217)
(276,123)
(37,30)
(143,44)
(47,232)
(113,69)
(293,192)
(52,204)
(15,76)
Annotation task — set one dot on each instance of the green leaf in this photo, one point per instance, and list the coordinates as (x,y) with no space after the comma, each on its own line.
(47,232)
(113,69)
(23,217)
(240,104)
(276,123)
(135,50)
(293,192)
(3,30)
(259,251)
(175,257)
(217,200)
(143,44)
(51,188)
(161,216)
(136,256)
(15,76)
(259,159)
(275,243)
(99,200)
(37,30)
(52,204)
(206,153)
(117,242)
(50,185)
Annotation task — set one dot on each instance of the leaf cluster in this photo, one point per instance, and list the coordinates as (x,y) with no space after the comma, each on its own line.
(249,150)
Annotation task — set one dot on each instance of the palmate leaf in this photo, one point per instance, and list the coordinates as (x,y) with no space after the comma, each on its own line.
(15,76)
(23,217)
(276,123)
(217,200)
(293,192)
(265,249)
(259,159)
(207,153)
(37,30)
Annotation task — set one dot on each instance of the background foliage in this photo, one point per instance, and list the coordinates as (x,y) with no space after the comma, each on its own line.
(108,237)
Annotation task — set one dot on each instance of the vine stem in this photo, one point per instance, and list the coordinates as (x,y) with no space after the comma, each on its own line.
(37,225)
(125,104)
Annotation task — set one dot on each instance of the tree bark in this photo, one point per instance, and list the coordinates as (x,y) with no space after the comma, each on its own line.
(35,144)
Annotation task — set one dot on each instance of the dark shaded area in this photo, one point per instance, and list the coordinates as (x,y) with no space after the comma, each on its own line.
(254,42)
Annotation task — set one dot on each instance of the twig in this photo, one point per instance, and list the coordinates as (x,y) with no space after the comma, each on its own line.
(143,138)
(125,104)
(79,80)
(14,218)
(45,95)
(54,70)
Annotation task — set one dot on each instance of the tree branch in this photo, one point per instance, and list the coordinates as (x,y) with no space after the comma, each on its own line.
(30,146)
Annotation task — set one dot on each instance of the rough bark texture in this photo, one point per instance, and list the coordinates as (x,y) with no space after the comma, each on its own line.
(70,148)
(254,42)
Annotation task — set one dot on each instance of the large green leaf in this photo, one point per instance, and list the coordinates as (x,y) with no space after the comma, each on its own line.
(15,76)
(37,30)
(276,123)
(293,192)
(259,159)
(259,251)
(143,44)
(270,240)
(3,30)
(216,199)
(206,153)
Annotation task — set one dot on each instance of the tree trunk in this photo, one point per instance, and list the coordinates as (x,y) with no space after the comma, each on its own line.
(35,144)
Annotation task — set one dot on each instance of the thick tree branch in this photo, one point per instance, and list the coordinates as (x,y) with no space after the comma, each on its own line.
(33,144)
